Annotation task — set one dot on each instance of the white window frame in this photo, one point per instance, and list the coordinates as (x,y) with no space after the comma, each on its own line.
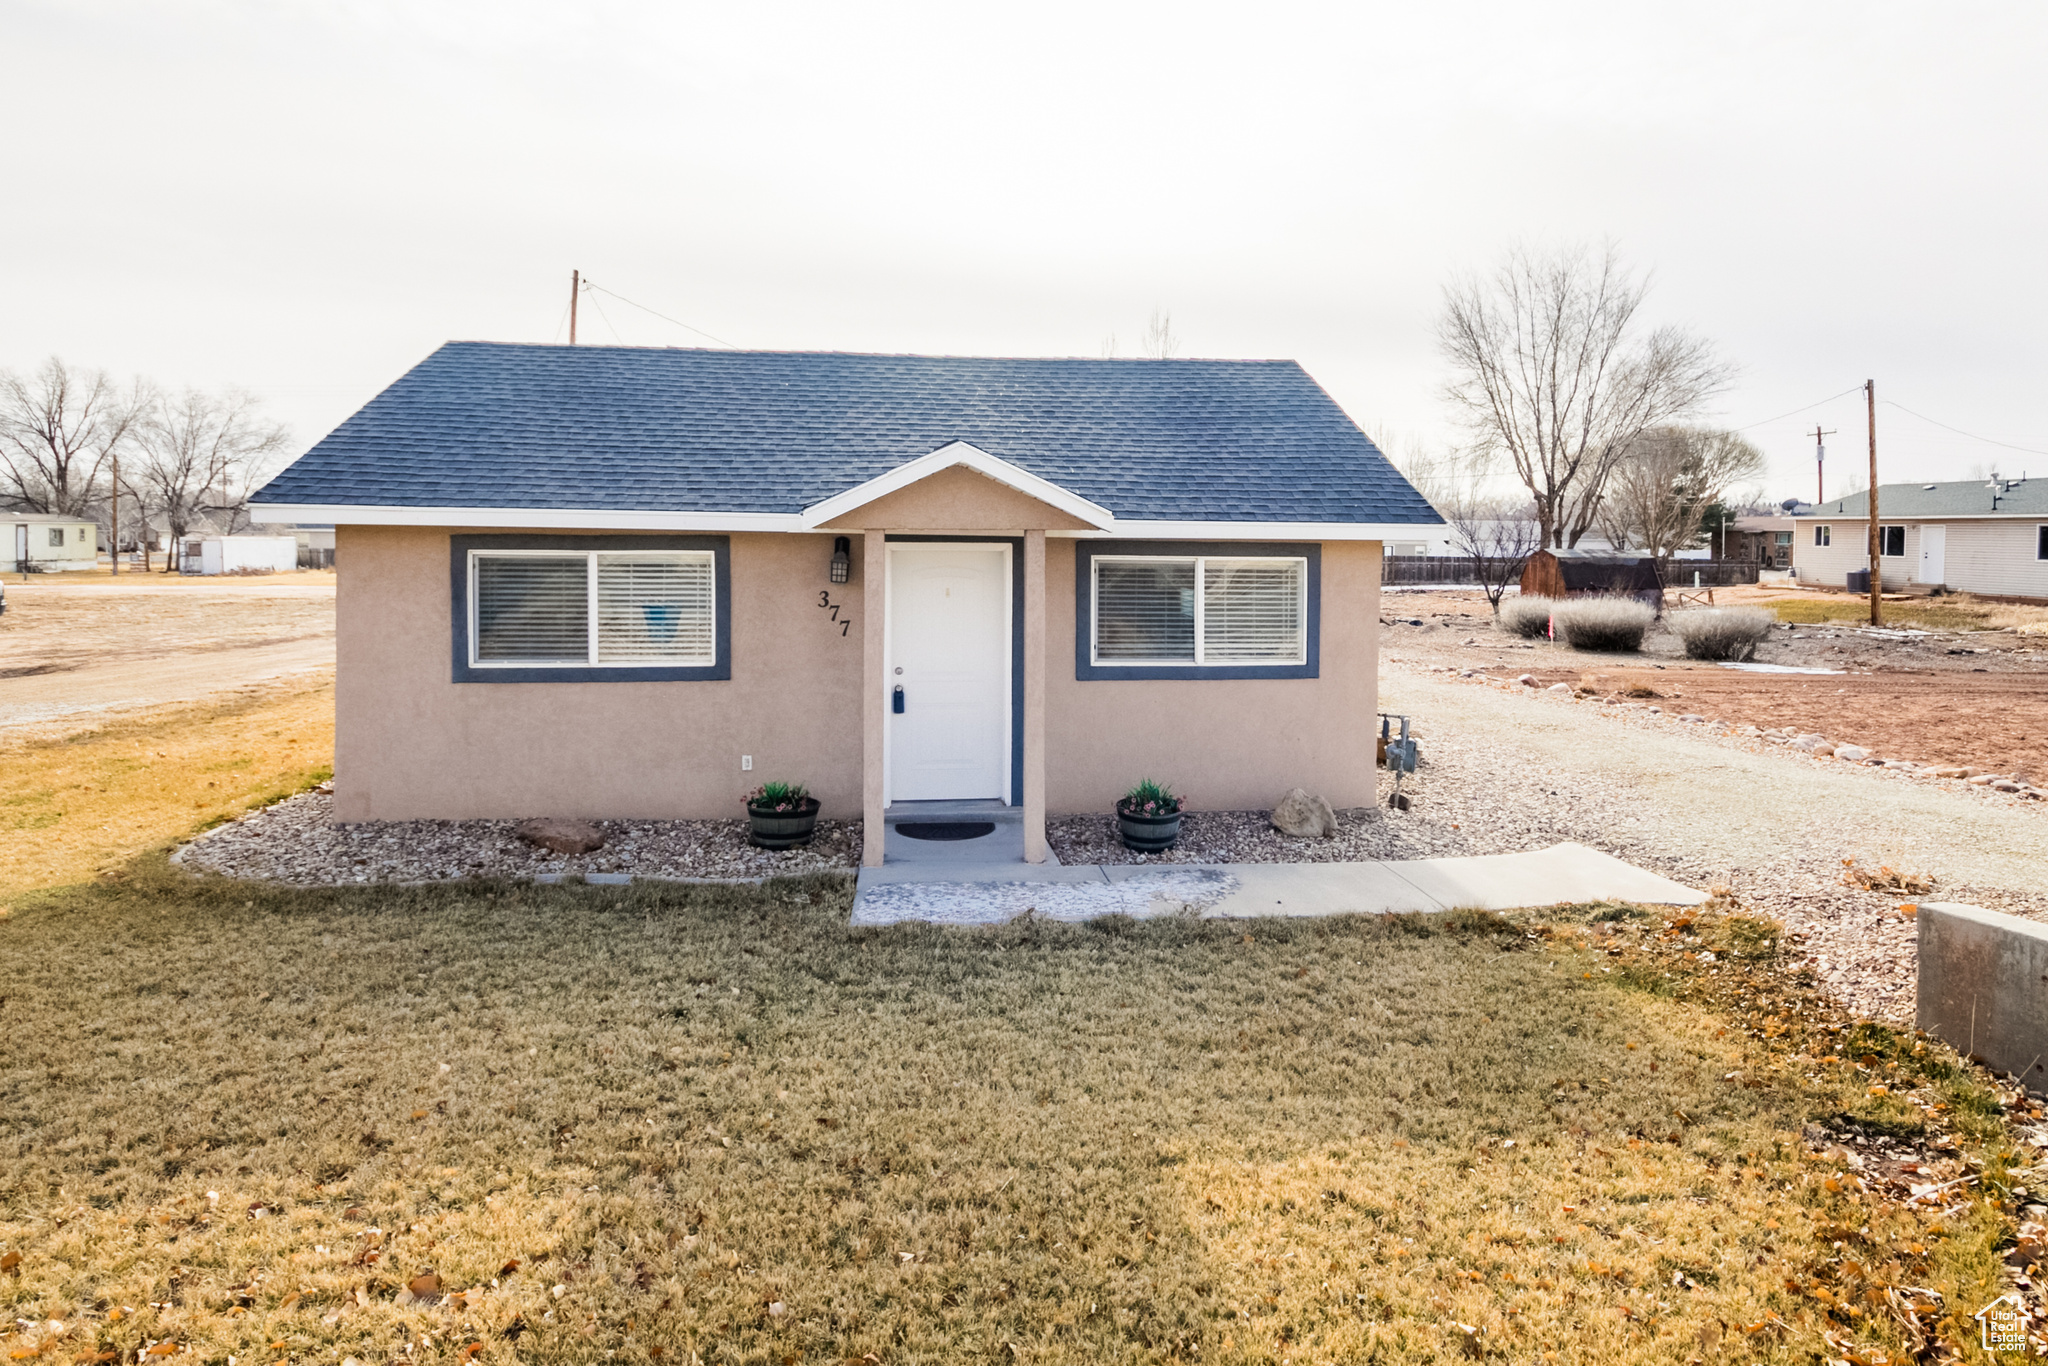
(1823,536)
(2041,541)
(1200,563)
(1884,534)
(590,658)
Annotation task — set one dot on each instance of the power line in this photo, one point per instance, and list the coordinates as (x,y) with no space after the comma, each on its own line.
(2024,450)
(608,321)
(588,284)
(1852,389)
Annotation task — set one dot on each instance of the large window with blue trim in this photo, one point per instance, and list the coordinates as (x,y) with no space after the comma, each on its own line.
(1188,611)
(590,608)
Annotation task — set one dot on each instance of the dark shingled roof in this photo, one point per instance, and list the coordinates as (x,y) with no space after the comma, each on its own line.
(483,424)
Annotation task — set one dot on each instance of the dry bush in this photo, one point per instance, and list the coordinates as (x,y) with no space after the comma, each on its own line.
(716,1123)
(1721,632)
(1525,616)
(1612,625)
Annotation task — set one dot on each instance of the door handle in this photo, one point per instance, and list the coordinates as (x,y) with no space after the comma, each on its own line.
(896,701)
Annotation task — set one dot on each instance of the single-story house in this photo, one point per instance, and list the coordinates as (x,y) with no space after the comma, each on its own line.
(1765,541)
(1969,536)
(627,582)
(38,543)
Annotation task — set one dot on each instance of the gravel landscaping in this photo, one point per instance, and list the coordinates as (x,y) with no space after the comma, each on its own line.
(1505,769)
(297,842)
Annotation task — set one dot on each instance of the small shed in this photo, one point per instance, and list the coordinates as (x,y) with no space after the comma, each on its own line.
(1581,573)
(239,555)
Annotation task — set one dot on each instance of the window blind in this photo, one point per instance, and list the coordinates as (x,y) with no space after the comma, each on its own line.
(655,609)
(533,609)
(1145,610)
(647,608)
(1252,612)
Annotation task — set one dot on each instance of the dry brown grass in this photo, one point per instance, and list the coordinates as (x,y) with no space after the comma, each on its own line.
(77,805)
(717,1124)
(1952,612)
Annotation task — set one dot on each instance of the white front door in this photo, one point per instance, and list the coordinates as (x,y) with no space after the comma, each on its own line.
(1933,554)
(949,655)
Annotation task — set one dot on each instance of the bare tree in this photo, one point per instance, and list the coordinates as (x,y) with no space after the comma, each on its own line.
(60,429)
(201,456)
(1495,530)
(1160,341)
(1667,481)
(1550,371)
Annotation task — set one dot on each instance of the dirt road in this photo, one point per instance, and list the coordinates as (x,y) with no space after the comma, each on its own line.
(71,649)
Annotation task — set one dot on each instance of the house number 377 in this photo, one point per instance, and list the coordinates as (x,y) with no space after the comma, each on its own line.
(825,602)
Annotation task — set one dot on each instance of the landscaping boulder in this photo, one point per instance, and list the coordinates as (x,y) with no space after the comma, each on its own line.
(1853,754)
(1304,815)
(560,836)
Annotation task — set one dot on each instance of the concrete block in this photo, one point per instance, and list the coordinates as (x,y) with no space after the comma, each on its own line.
(1984,986)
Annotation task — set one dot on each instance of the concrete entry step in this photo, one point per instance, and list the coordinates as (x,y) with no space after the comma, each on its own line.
(1002,813)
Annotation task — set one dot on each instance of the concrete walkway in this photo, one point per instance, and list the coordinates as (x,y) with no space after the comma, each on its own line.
(983,894)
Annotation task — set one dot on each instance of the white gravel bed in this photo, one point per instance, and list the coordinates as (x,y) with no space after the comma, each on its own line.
(1167,892)
(298,842)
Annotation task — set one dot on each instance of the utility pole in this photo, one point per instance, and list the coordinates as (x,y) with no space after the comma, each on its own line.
(575,288)
(1820,465)
(1876,582)
(114,519)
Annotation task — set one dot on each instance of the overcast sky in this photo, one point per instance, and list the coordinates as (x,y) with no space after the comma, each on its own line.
(306,198)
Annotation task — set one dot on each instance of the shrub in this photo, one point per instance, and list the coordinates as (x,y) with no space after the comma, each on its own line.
(779,797)
(1609,624)
(1721,632)
(1527,617)
(1150,799)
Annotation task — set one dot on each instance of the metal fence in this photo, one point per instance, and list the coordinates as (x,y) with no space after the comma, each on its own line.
(1458,569)
(316,557)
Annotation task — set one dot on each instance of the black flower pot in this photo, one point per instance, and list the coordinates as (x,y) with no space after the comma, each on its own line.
(772,829)
(1147,834)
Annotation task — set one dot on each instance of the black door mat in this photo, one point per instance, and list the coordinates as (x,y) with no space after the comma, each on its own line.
(945,830)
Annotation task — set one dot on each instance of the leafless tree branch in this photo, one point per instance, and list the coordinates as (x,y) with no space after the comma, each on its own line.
(1550,373)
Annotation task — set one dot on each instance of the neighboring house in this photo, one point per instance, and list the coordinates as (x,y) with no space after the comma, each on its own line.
(1970,536)
(620,582)
(36,543)
(237,554)
(1765,541)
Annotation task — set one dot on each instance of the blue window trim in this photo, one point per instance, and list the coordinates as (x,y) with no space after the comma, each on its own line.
(719,671)
(1084,609)
(1016,544)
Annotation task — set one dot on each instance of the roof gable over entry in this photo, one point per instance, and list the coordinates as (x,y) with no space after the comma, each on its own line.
(959,487)
(763,438)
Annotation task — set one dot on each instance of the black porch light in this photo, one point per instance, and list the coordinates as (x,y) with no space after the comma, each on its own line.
(842,559)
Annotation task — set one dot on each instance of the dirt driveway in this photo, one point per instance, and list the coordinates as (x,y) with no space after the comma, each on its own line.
(72,646)
(1976,698)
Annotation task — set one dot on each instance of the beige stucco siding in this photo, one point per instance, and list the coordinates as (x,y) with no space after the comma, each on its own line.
(1228,744)
(411,744)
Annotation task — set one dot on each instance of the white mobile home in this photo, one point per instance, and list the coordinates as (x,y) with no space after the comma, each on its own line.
(33,543)
(1970,536)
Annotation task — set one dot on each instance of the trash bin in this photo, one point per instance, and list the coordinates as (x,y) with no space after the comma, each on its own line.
(1859,581)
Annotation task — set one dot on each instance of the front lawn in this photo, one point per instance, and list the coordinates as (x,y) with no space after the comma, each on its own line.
(716,1124)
